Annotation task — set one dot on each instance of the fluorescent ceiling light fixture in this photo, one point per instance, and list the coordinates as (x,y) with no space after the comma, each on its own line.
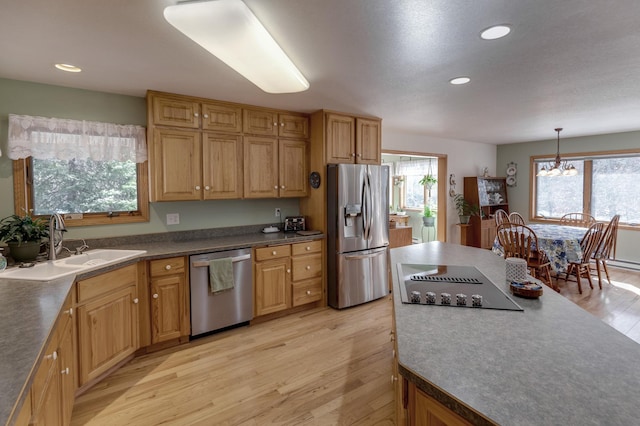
(228,30)
(497,31)
(460,80)
(68,67)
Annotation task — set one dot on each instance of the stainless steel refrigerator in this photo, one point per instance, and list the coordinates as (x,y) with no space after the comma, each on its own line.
(358,233)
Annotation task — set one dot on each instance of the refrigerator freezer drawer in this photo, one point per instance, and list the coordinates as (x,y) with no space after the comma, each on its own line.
(359,277)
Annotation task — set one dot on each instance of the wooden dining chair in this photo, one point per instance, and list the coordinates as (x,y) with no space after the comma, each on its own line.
(588,244)
(500,216)
(521,241)
(515,217)
(582,220)
(606,248)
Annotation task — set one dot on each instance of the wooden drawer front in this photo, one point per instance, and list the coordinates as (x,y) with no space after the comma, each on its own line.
(105,283)
(42,376)
(306,267)
(260,122)
(169,266)
(293,126)
(273,252)
(307,291)
(306,247)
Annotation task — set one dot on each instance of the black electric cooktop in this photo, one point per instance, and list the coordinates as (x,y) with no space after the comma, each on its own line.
(454,286)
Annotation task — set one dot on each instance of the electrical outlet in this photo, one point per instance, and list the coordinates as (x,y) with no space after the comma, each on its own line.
(277,212)
(173,218)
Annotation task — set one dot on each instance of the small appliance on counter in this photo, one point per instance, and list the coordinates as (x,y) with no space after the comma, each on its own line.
(294,223)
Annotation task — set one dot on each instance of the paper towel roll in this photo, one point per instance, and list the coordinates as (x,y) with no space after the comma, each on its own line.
(516,269)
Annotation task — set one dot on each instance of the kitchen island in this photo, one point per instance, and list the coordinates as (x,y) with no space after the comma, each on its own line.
(551,364)
(28,309)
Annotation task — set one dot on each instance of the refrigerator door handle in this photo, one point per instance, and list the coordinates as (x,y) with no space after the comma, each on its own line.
(375,253)
(365,209)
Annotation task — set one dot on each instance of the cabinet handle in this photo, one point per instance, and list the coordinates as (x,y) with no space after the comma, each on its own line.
(307,248)
(274,252)
(308,267)
(69,312)
(206,116)
(53,356)
(167,267)
(281,124)
(135,301)
(195,114)
(275,187)
(393,379)
(359,155)
(282,187)
(308,292)
(206,188)
(288,271)
(197,187)
(275,124)
(353,154)
(65,371)
(155,295)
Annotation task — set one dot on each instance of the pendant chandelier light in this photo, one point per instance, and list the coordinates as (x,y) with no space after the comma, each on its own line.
(558,167)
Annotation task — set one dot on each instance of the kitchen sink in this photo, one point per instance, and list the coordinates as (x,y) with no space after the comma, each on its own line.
(87,261)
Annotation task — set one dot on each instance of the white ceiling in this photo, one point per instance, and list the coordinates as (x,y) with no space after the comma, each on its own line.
(568,63)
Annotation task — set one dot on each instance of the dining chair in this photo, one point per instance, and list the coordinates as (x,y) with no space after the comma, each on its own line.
(500,216)
(515,217)
(588,244)
(606,248)
(521,241)
(582,220)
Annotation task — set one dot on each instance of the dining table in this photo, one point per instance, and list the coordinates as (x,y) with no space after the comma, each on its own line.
(560,243)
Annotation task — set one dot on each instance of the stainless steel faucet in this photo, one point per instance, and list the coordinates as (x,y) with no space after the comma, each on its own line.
(56,227)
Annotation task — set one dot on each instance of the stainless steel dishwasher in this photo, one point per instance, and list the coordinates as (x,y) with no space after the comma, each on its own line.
(213,311)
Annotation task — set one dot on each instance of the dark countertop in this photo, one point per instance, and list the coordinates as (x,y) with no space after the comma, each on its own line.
(28,309)
(552,364)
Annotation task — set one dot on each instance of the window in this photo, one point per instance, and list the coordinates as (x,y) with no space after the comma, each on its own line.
(94,173)
(414,195)
(606,185)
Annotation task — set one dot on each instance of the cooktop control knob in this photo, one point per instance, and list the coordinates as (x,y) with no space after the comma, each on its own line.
(430,298)
(415,297)
(461,299)
(476,300)
(445,299)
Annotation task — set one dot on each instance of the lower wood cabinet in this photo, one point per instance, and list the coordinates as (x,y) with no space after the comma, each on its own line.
(169,299)
(107,322)
(423,410)
(287,275)
(50,399)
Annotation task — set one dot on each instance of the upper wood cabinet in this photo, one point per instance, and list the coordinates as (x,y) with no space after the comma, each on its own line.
(352,139)
(273,123)
(279,168)
(191,113)
(197,152)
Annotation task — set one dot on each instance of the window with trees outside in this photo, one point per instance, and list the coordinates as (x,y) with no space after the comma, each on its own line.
(606,185)
(414,195)
(92,173)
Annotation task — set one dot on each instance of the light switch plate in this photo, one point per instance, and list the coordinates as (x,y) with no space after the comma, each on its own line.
(173,218)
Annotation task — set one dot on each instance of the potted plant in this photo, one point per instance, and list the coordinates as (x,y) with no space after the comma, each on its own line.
(428,218)
(428,181)
(23,235)
(464,208)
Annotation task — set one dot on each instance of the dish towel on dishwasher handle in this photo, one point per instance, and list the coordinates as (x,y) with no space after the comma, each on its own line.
(220,274)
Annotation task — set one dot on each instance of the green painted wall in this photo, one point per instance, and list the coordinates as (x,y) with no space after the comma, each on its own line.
(19,97)
(520,153)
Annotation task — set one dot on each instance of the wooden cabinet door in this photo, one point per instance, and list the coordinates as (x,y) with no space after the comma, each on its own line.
(426,411)
(45,391)
(294,169)
(167,308)
(293,126)
(176,165)
(368,141)
(340,138)
(260,122)
(176,112)
(221,118)
(261,167)
(273,286)
(222,166)
(107,332)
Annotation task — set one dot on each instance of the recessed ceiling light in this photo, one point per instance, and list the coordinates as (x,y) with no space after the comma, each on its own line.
(497,31)
(68,68)
(460,80)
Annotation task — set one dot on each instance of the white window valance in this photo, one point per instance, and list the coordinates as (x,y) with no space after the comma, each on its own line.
(416,167)
(46,138)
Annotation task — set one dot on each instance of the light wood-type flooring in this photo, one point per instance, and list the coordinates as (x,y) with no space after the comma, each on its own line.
(319,367)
